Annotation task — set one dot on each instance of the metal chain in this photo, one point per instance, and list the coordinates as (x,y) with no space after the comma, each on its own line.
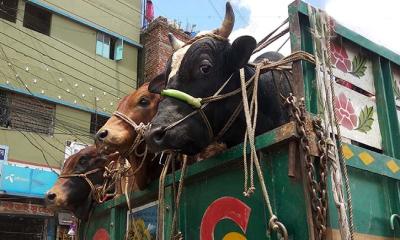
(317,183)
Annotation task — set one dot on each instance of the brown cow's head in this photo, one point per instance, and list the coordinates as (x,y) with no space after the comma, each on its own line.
(73,193)
(116,135)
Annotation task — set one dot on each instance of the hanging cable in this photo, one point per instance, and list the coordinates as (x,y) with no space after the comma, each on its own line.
(68,54)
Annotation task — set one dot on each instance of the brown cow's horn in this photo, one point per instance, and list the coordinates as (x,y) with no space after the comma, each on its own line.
(175,43)
(227,24)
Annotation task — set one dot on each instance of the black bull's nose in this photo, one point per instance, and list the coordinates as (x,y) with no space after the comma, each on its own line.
(155,138)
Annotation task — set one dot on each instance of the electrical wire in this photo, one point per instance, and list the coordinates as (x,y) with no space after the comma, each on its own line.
(39,101)
(35,98)
(63,89)
(44,156)
(103,8)
(66,10)
(62,71)
(55,133)
(215,9)
(128,6)
(50,83)
(283,44)
(66,123)
(70,46)
(15,49)
(33,116)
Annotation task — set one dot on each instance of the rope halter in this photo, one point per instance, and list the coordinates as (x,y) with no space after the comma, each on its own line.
(139,129)
(94,191)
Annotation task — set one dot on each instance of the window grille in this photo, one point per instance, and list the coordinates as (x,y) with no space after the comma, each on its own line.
(4,110)
(8,10)
(30,114)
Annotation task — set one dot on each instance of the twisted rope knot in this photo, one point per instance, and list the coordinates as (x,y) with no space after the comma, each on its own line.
(141,128)
(249,191)
(272,222)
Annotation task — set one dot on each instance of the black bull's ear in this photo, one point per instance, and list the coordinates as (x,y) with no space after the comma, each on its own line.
(241,51)
(157,84)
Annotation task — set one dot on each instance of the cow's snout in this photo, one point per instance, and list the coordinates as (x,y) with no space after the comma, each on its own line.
(101,135)
(51,196)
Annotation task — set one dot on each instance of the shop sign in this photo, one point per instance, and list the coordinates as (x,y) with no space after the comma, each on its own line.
(23,181)
(24,208)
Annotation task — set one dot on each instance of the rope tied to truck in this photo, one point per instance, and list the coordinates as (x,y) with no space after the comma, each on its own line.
(322,28)
(316,178)
(250,111)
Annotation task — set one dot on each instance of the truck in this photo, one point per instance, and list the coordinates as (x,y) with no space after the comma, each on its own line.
(212,204)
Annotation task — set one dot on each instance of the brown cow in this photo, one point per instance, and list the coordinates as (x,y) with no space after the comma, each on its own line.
(72,192)
(119,135)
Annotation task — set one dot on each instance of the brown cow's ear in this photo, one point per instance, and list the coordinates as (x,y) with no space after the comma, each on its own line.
(157,84)
(241,51)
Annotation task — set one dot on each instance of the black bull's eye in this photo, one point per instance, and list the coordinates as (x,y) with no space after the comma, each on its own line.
(205,68)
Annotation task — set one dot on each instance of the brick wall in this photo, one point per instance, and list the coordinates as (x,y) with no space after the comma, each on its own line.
(157,49)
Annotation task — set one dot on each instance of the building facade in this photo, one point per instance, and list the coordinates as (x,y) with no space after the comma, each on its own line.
(64,65)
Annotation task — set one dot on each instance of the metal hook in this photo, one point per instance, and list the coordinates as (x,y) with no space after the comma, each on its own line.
(392,220)
(278,227)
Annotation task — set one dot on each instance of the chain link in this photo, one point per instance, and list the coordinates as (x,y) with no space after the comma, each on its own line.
(316,180)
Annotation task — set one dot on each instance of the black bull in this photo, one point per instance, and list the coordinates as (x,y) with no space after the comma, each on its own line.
(199,69)
(205,66)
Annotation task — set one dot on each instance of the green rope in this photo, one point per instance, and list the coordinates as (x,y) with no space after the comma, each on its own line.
(192,101)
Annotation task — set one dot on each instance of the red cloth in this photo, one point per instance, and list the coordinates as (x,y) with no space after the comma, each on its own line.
(149,11)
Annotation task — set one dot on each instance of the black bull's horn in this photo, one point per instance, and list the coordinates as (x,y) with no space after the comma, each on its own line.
(175,42)
(227,25)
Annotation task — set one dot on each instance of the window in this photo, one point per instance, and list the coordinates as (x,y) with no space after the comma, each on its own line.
(37,19)
(31,115)
(96,122)
(109,47)
(26,113)
(8,10)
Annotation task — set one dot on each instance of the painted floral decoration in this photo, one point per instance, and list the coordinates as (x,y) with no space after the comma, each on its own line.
(347,117)
(340,59)
(345,112)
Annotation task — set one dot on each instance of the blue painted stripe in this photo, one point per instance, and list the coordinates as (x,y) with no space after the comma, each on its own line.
(53,100)
(85,22)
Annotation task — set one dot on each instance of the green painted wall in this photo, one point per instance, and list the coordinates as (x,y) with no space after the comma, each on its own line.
(64,68)
(21,150)
(84,75)
(122,16)
(73,33)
